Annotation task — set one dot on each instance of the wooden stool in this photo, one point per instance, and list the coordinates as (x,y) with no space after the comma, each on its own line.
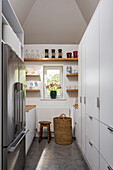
(44,124)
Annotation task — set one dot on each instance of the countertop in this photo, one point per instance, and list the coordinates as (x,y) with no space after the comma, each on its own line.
(29,107)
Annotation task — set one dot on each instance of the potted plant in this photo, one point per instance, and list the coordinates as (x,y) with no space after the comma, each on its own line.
(53,87)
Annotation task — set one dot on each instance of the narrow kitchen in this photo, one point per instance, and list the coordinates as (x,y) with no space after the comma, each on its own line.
(56,85)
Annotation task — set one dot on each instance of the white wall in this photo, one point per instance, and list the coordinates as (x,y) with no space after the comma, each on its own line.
(34,98)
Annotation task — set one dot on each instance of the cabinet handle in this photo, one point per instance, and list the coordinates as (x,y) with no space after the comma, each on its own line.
(90,117)
(109,168)
(98,102)
(84,100)
(90,143)
(80,99)
(110,128)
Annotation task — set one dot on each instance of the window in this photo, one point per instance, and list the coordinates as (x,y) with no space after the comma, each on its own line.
(53,74)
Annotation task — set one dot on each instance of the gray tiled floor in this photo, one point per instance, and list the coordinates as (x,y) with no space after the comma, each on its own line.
(52,156)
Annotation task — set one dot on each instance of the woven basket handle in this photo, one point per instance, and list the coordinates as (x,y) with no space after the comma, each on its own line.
(62,116)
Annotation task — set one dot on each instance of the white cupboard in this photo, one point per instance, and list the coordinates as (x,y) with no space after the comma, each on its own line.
(80,97)
(92,155)
(106,62)
(83,105)
(30,127)
(92,66)
(92,130)
(106,143)
(96,84)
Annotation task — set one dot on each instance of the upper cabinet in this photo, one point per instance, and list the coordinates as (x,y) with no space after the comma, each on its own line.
(92,66)
(12,32)
(106,62)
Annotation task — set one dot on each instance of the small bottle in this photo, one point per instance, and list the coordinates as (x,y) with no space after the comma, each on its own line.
(59,53)
(46,53)
(53,53)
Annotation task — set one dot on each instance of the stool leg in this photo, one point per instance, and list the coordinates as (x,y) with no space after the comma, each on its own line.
(48,129)
(40,135)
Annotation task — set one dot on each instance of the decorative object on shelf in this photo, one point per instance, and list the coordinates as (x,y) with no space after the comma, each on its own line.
(59,53)
(69,69)
(75,71)
(32,84)
(37,54)
(69,55)
(53,53)
(53,87)
(32,54)
(75,54)
(46,53)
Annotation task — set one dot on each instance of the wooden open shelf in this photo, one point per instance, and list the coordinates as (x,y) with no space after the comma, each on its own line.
(76,106)
(50,59)
(32,90)
(33,75)
(72,74)
(71,90)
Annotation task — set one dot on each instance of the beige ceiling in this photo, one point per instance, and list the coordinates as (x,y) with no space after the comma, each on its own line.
(87,8)
(54,21)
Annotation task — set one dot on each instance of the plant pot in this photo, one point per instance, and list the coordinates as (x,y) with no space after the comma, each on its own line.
(53,94)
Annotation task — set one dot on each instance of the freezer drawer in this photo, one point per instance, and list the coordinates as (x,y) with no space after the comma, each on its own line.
(14,155)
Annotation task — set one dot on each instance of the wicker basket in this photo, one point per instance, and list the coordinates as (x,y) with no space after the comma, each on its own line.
(63,130)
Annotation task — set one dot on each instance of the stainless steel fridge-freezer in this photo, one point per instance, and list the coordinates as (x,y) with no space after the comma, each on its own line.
(13,111)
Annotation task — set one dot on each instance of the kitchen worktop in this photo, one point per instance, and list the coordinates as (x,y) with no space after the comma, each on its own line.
(29,107)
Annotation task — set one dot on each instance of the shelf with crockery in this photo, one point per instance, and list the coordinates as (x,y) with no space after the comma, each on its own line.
(72,90)
(32,90)
(50,59)
(72,74)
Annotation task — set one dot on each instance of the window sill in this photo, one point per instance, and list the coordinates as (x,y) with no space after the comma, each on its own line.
(53,100)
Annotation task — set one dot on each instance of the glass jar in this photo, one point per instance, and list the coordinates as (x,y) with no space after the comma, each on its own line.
(59,53)
(53,53)
(46,53)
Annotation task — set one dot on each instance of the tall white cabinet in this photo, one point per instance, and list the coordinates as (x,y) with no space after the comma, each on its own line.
(95,92)
(106,81)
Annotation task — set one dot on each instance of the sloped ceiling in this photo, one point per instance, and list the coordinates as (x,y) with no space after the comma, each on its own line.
(54,21)
(22,8)
(87,8)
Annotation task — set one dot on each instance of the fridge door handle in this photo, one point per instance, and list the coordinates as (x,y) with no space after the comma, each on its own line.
(17,141)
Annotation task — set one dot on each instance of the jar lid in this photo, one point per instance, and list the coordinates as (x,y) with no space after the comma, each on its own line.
(59,50)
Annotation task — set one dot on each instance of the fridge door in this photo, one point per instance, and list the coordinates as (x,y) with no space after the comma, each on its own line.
(10,78)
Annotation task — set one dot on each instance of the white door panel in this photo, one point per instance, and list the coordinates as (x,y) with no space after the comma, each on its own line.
(106,62)
(92,66)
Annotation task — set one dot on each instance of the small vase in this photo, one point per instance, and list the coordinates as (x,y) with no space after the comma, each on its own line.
(53,94)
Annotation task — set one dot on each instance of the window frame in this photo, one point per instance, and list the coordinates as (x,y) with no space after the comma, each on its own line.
(52,66)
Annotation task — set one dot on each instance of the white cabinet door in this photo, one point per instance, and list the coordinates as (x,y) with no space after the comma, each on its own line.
(106,143)
(104,165)
(83,55)
(92,155)
(31,126)
(92,130)
(80,95)
(92,66)
(106,62)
